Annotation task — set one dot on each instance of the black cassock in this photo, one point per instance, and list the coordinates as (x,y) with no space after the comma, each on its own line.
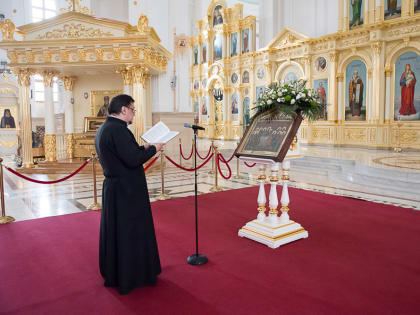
(128,253)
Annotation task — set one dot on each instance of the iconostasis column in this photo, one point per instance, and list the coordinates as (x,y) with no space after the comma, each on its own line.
(227,96)
(49,116)
(24,79)
(69,114)
(210,51)
(332,90)
(379,10)
(127,81)
(406,7)
(369,104)
(388,74)
(139,94)
(340,15)
(307,68)
(345,15)
(340,98)
(225,44)
(369,11)
(378,82)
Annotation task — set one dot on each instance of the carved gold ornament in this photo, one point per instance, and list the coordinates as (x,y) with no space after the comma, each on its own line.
(69,145)
(29,56)
(74,31)
(47,56)
(48,77)
(24,76)
(99,53)
(13,57)
(143,24)
(68,82)
(82,54)
(7,29)
(50,142)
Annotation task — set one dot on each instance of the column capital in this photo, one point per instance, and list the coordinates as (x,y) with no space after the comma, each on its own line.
(340,77)
(68,82)
(139,73)
(127,75)
(48,77)
(24,75)
(388,71)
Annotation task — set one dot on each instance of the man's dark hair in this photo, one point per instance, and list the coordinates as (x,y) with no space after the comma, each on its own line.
(118,102)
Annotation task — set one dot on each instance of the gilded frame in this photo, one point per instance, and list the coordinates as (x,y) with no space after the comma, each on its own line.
(97,99)
(92,124)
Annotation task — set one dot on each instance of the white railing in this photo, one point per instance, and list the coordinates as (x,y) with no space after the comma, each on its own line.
(61,146)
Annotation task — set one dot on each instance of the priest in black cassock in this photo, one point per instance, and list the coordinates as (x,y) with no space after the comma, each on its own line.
(128,252)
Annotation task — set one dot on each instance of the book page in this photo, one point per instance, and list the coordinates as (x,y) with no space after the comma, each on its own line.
(170,135)
(155,133)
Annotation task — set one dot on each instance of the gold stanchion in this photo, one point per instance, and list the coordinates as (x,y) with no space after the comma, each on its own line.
(180,155)
(213,161)
(238,174)
(95,205)
(162,195)
(3,219)
(216,187)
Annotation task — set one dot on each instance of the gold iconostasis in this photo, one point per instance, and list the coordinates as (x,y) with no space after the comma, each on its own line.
(365,73)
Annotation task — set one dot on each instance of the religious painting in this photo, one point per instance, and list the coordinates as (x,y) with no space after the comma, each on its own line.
(269,136)
(38,137)
(99,102)
(204,106)
(234,105)
(356,13)
(8,118)
(204,83)
(196,85)
(321,64)
(196,109)
(392,9)
(260,73)
(321,88)
(233,44)
(356,91)
(92,124)
(416,6)
(246,110)
(245,41)
(234,78)
(195,55)
(245,77)
(406,90)
(204,53)
(259,92)
(290,77)
(217,47)
(217,15)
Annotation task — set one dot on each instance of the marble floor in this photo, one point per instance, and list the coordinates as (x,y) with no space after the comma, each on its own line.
(375,175)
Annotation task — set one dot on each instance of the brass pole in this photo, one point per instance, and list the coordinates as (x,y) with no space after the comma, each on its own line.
(214,157)
(3,219)
(216,187)
(238,174)
(162,195)
(95,205)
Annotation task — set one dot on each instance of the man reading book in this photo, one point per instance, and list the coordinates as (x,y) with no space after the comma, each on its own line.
(128,253)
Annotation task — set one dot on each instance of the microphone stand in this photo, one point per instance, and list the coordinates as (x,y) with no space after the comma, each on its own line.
(196,259)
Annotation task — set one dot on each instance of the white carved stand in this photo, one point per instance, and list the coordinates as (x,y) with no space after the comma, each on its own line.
(271,229)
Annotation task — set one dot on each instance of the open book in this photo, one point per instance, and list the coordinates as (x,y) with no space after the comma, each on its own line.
(159,133)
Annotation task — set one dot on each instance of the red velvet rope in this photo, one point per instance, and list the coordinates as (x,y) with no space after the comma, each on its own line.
(230,159)
(151,163)
(180,151)
(189,169)
(203,158)
(47,182)
(250,165)
(220,157)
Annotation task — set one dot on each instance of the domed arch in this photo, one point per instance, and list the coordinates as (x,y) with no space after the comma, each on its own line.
(349,57)
(400,49)
(212,7)
(280,70)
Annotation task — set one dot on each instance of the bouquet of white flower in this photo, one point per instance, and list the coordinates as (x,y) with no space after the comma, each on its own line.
(291,99)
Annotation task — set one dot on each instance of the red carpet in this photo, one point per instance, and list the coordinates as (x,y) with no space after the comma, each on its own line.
(360,258)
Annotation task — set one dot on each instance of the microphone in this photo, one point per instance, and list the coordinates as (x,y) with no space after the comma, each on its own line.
(195,127)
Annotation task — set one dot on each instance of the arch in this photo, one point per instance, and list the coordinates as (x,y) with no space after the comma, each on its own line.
(284,66)
(12,86)
(349,57)
(400,49)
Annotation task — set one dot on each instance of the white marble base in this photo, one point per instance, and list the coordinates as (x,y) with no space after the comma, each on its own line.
(273,234)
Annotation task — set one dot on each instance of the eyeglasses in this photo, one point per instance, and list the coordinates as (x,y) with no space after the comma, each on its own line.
(132,109)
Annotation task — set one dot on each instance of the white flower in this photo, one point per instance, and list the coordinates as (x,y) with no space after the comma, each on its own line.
(279,100)
(292,101)
(270,102)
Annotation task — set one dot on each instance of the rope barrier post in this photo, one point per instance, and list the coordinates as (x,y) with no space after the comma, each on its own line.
(180,154)
(213,164)
(238,174)
(3,219)
(162,195)
(216,187)
(95,205)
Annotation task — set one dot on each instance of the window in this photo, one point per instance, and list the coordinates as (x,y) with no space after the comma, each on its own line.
(39,89)
(43,9)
